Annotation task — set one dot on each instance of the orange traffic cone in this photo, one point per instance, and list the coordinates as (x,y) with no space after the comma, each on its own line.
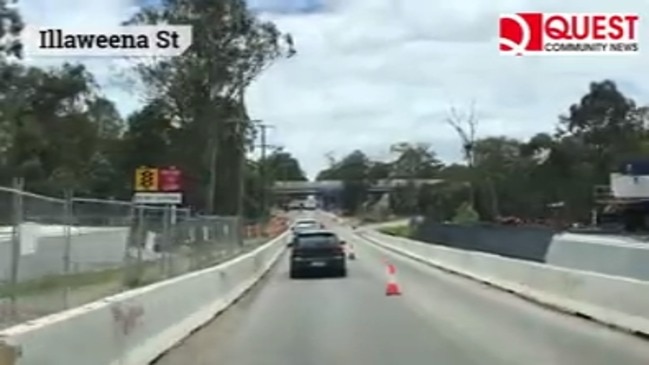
(392,287)
(350,252)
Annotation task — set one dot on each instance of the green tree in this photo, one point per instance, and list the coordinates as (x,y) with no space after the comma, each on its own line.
(378,170)
(204,88)
(446,197)
(55,127)
(282,166)
(414,161)
(604,122)
(466,214)
(11,25)
(352,170)
(497,160)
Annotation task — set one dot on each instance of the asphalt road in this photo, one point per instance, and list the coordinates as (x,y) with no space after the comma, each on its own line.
(439,319)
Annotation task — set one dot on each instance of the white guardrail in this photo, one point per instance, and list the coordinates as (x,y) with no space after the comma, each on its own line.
(135,327)
(615,301)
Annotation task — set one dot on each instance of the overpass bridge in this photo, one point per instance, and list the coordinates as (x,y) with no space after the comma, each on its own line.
(441,318)
(324,186)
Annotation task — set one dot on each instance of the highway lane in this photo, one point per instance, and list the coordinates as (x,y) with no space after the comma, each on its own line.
(439,319)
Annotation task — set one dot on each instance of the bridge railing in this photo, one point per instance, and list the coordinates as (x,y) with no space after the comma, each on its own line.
(313,187)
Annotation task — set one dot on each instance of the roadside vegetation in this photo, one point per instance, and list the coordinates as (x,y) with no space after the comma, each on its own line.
(400,231)
(59,130)
(552,175)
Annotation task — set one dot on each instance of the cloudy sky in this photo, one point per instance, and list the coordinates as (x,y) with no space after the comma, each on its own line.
(370,73)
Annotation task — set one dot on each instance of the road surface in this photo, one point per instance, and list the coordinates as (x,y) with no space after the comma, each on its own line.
(440,319)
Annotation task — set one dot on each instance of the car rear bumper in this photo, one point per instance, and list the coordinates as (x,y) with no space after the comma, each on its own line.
(317,264)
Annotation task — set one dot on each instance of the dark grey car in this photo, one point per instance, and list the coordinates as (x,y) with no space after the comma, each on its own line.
(317,252)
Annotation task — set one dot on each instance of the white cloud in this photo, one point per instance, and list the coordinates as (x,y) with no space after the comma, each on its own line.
(373,72)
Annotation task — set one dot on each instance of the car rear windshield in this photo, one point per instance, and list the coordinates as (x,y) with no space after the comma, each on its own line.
(306,225)
(309,223)
(317,240)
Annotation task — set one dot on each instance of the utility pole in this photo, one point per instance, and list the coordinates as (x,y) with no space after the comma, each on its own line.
(240,124)
(263,128)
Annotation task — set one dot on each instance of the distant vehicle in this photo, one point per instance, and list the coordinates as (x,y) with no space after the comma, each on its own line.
(310,203)
(317,252)
(296,205)
(305,224)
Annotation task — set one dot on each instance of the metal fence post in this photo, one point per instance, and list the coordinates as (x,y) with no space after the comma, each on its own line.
(141,234)
(128,269)
(68,221)
(241,233)
(17,220)
(166,241)
(134,267)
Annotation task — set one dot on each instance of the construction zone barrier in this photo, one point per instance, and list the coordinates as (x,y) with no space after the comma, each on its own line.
(276,225)
(136,327)
(618,302)
(272,228)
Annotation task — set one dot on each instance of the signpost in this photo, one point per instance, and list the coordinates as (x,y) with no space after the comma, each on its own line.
(158,186)
(146,179)
(169,179)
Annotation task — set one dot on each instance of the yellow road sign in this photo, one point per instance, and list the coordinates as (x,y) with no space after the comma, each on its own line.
(146,179)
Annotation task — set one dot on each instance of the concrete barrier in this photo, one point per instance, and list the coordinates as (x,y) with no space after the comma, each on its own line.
(606,254)
(620,256)
(135,327)
(616,301)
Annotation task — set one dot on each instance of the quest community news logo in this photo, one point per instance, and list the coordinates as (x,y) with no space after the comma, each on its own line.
(569,33)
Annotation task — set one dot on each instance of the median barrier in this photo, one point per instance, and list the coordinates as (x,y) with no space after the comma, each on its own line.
(136,327)
(619,256)
(616,301)
(606,254)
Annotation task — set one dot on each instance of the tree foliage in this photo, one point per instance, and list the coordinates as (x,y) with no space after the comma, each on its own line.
(282,166)
(523,178)
(56,128)
(203,89)
(11,25)
(59,132)
(358,173)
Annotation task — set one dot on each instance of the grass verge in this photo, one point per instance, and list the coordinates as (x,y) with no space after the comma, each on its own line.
(54,282)
(399,231)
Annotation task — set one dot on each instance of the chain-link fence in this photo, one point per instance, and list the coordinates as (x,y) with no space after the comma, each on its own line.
(58,253)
